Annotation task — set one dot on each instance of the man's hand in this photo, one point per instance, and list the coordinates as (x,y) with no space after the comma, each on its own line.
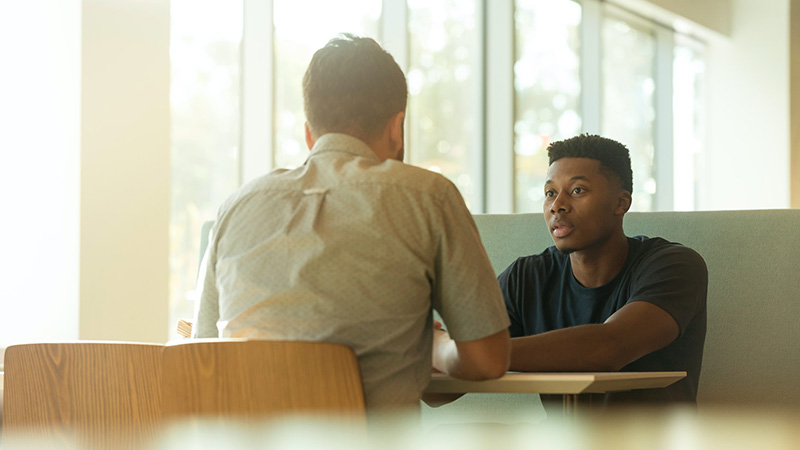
(436,400)
(440,339)
(476,356)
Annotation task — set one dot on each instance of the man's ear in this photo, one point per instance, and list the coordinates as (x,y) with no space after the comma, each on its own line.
(396,131)
(309,138)
(624,201)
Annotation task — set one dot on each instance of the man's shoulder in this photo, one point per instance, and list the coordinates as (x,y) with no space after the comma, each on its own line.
(546,262)
(370,180)
(657,248)
(415,178)
(269,180)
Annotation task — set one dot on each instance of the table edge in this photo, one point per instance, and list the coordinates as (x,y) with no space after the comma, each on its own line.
(556,382)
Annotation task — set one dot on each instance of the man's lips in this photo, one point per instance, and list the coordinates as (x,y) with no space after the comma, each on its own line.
(561,229)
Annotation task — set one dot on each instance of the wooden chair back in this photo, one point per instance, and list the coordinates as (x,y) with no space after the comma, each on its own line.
(85,393)
(224,378)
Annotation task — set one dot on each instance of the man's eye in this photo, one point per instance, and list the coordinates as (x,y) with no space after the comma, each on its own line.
(549,193)
(577,190)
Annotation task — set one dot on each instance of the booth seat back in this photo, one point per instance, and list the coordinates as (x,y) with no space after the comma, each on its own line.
(752,350)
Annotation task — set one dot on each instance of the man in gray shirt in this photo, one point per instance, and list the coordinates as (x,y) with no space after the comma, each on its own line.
(356,247)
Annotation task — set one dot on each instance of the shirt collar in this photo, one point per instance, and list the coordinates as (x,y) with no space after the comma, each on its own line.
(344,143)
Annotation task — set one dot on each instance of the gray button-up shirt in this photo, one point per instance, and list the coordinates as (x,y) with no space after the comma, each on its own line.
(352,250)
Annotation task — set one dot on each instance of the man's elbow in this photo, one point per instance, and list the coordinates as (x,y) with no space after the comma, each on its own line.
(501,362)
(613,358)
(487,369)
(491,358)
(496,370)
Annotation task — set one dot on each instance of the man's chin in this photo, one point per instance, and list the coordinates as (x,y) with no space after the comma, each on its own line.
(566,251)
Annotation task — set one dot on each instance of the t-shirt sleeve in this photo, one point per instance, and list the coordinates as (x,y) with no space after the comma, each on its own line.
(465,290)
(675,279)
(508,281)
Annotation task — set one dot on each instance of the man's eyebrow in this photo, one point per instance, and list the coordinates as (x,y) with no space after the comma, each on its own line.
(575,178)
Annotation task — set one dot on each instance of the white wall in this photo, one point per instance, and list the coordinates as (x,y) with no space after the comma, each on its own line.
(84,170)
(747,162)
(40,47)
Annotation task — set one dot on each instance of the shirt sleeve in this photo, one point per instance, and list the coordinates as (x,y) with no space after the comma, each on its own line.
(675,279)
(465,290)
(207,310)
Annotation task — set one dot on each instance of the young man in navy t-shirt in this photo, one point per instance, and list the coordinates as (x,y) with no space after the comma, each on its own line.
(599,300)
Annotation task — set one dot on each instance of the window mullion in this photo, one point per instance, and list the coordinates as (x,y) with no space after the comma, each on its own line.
(257,99)
(499,106)
(664,137)
(591,72)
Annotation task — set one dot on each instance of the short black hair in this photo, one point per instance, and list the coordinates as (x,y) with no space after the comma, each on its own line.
(614,157)
(352,86)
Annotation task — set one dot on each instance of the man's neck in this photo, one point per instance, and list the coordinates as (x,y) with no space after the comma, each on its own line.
(596,266)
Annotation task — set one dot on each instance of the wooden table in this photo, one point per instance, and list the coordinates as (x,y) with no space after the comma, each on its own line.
(569,384)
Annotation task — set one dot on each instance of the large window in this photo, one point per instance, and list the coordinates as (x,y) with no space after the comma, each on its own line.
(205,46)
(491,84)
(548,87)
(443,124)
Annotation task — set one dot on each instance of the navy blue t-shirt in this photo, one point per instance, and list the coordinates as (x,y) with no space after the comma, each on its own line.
(542,295)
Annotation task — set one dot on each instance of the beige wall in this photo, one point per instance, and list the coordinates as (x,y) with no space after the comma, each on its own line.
(713,15)
(747,157)
(125,170)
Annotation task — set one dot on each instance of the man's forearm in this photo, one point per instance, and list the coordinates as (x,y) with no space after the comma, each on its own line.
(580,348)
(637,329)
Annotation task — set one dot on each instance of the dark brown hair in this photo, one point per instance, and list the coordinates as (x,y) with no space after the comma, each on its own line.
(352,86)
(613,156)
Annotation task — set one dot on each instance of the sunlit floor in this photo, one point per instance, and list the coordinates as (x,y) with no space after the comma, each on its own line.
(713,428)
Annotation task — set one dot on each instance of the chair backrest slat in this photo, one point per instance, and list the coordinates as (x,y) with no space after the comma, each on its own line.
(251,378)
(90,390)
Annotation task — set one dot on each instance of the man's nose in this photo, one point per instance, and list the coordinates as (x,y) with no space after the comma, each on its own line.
(560,204)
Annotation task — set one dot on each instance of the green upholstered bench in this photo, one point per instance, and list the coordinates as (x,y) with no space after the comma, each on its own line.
(752,350)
